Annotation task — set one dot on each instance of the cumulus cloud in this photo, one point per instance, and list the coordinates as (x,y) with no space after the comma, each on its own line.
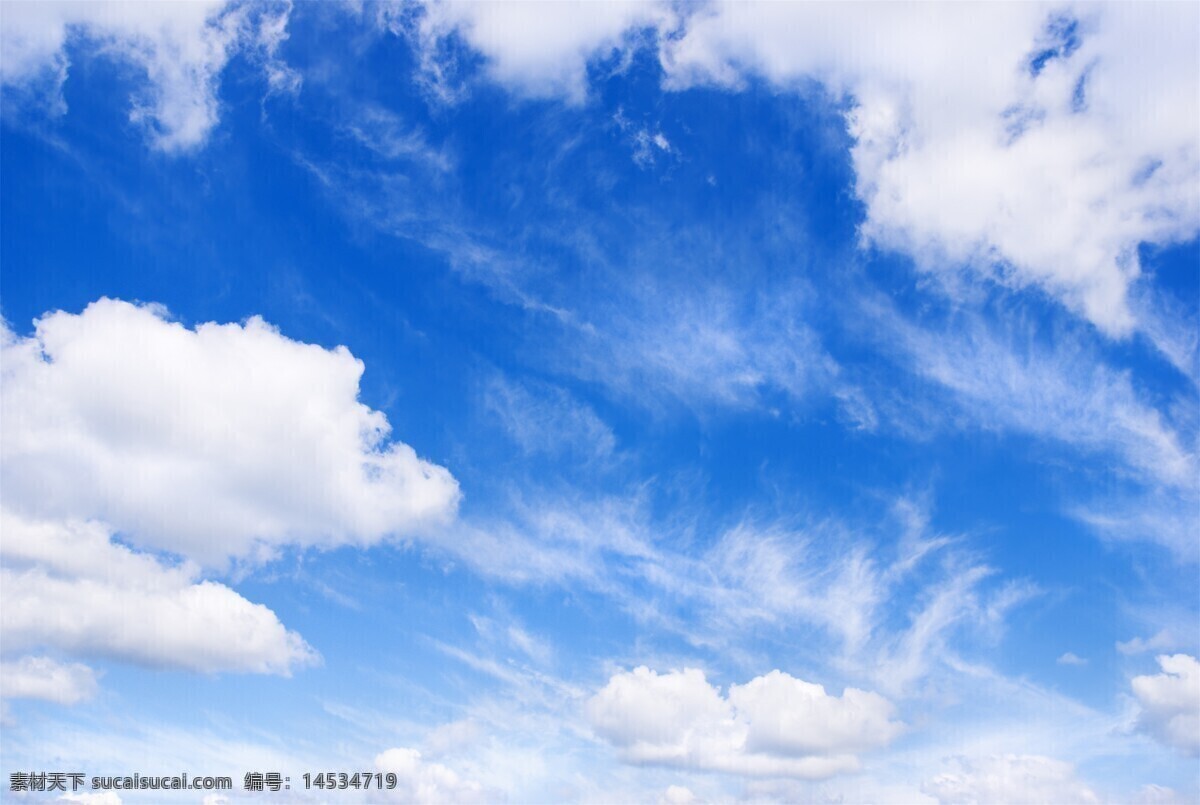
(677,795)
(214,442)
(1008,778)
(421,781)
(540,49)
(180,47)
(46,679)
(1170,703)
(126,436)
(775,725)
(1036,144)
(69,587)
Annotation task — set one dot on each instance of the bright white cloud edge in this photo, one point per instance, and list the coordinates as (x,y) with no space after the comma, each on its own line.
(218,442)
(774,725)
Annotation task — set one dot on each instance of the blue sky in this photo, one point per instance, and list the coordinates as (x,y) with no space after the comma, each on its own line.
(613,402)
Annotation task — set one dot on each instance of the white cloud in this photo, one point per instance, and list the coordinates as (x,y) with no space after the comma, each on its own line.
(215,442)
(1170,703)
(44,678)
(678,795)
(1009,778)
(966,152)
(788,716)
(541,49)
(1070,658)
(775,725)
(69,587)
(181,48)
(420,781)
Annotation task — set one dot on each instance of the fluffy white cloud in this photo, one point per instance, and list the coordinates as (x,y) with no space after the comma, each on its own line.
(657,714)
(774,725)
(421,781)
(1009,778)
(215,442)
(226,441)
(69,587)
(181,48)
(677,795)
(1170,702)
(1037,143)
(789,716)
(541,49)
(44,678)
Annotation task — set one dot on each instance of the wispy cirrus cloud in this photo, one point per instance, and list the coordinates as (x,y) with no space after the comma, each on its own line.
(1011,376)
(1009,778)
(544,419)
(182,49)
(827,582)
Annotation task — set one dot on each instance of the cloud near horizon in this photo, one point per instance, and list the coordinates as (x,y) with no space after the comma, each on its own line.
(774,725)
